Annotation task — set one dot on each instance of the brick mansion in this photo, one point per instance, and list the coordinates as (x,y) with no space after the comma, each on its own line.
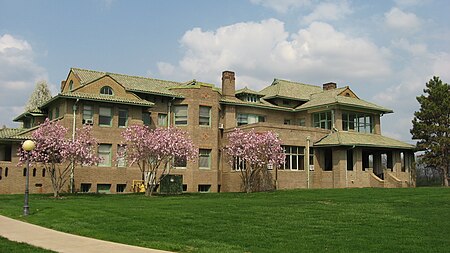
(331,137)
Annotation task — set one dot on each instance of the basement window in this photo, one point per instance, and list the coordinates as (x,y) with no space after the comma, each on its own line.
(85,187)
(204,188)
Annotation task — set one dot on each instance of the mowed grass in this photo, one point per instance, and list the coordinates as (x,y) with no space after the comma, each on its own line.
(333,220)
(17,247)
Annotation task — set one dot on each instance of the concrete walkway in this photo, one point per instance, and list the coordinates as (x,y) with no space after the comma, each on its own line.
(19,231)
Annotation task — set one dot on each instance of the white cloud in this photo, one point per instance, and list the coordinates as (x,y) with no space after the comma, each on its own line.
(414,49)
(18,76)
(329,11)
(282,6)
(402,21)
(265,49)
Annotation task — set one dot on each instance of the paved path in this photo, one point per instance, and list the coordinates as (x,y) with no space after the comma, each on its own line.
(57,241)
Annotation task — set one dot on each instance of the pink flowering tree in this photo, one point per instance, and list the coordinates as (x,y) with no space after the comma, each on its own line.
(252,154)
(58,154)
(155,150)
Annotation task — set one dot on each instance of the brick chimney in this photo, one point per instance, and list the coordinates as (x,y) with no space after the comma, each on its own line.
(329,86)
(228,84)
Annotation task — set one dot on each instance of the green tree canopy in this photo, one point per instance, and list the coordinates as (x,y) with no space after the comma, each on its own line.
(40,94)
(431,126)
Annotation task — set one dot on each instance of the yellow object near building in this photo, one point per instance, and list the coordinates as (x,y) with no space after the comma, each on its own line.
(138,186)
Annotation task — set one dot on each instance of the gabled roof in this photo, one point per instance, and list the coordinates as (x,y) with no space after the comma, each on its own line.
(290,90)
(130,83)
(335,97)
(342,138)
(35,113)
(246,90)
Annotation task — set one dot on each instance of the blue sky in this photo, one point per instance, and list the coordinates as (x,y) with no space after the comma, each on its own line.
(384,50)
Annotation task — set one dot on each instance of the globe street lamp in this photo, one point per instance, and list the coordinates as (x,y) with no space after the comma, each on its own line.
(27,145)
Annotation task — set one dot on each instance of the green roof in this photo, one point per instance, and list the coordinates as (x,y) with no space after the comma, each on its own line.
(246,90)
(35,113)
(131,83)
(14,134)
(101,98)
(290,90)
(333,97)
(261,104)
(341,138)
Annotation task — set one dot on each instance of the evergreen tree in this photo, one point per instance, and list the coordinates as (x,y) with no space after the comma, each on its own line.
(40,94)
(431,126)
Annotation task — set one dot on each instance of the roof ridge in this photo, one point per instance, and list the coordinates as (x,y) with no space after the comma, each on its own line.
(125,75)
(289,81)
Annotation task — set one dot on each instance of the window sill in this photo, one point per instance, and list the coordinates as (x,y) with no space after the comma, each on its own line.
(204,168)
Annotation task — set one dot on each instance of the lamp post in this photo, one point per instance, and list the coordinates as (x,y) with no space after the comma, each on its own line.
(28,145)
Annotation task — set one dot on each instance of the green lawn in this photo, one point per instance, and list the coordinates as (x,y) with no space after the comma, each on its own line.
(17,247)
(334,220)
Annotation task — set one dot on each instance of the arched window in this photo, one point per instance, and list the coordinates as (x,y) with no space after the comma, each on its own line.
(106,90)
(6,172)
(1,171)
(24,172)
(34,172)
(43,172)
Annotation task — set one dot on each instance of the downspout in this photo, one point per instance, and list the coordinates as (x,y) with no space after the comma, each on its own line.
(169,105)
(307,160)
(72,169)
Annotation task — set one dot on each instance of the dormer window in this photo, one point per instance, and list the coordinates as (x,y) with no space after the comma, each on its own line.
(251,98)
(106,90)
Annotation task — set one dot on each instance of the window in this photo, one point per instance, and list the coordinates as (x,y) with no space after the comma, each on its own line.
(146,119)
(50,115)
(121,156)
(34,172)
(357,122)
(123,117)
(180,162)
(205,158)
(185,187)
(204,188)
(1,171)
(302,122)
(328,159)
(181,115)
(251,98)
(57,112)
(43,172)
(5,152)
(287,121)
(294,158)
(71,85)
(6,172)
(322,120)
(239,164)
(244,119)
(162,119)
(103,188)
(24,172)
(204,118)
(104,152)
(121,187)
(88,114)
(106,90)
(350,163)
(105,116)
(85,187)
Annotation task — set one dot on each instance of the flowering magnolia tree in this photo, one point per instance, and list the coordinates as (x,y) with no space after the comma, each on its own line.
(58,154)
(252,153)
(155,151)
